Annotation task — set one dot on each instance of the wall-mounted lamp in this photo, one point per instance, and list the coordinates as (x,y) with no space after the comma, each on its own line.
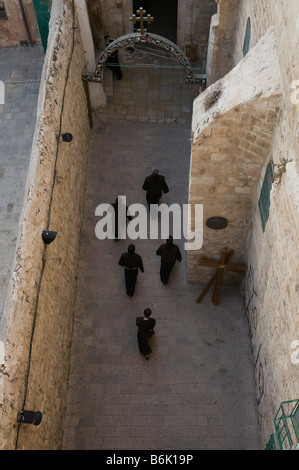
(216,223)
(67,137)
(30,417)
(48,236)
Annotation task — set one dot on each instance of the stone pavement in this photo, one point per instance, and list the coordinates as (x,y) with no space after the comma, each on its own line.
(197,389)
(20,70)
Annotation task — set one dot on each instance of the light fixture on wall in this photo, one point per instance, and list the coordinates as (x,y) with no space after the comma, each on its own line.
(29,417)
(48,236)
(67,137)
(216,223)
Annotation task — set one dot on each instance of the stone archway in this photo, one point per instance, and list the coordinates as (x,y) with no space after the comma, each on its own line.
(233,127)
(148,38)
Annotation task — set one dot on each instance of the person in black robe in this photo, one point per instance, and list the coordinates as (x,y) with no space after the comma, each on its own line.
(131,262)
(170,253)
(154,185)
(146,327)
(113,62)
(118,229)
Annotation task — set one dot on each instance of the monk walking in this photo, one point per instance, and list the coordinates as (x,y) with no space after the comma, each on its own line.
(145,326)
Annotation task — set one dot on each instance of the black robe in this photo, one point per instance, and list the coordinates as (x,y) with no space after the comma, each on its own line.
(154,185)
(131,262)
(145,331)
(113,63)
(170,253)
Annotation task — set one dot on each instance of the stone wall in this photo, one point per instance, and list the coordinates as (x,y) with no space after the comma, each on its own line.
(13,30)
(20,71)
(221,40)
(261,18)
(271,293)
(193,24)
(193,28)
(115,18)
(272,284)
(233,126)
(38,316)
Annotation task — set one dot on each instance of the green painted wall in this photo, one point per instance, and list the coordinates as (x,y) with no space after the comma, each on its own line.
(43,12)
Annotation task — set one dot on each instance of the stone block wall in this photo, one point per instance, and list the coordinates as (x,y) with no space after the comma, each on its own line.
(193,28)
(233,126)
(271,293)
(115,18)
(271,299)
(227,161)
(13,30)
(38,316)
(261,18)
(193,23)
(221,40)
(272,285)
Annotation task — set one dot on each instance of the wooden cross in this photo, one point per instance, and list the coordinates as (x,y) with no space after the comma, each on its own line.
(141,18)
(217,277)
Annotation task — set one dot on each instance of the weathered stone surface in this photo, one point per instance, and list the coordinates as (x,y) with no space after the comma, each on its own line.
(229,119)
(39,310)
(13,29)
(246,125)
(221,40)
(271,293)
(20,71)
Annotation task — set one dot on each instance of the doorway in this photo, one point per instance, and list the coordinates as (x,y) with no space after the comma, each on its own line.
(165,17)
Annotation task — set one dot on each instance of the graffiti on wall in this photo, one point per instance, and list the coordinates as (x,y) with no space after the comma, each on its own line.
(251,301)
(259,376)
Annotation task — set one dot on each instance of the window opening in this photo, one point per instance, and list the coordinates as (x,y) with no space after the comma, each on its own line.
(247,38)
(3,15)
(264,200)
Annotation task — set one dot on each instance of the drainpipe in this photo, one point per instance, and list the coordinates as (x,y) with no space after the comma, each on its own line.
(25,22)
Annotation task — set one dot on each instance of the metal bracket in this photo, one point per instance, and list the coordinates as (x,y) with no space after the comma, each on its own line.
(92,78)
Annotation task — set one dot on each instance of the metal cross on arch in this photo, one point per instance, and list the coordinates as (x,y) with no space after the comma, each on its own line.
(145,38)
(148,19)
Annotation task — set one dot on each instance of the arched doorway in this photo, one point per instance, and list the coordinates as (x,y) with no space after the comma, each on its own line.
(153,40)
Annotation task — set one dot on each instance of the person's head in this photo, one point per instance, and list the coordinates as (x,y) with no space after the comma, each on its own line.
(131,248)
(147,312)
(155,172)
(169,240)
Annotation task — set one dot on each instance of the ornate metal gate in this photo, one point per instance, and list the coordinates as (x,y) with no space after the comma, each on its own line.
(150,39)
